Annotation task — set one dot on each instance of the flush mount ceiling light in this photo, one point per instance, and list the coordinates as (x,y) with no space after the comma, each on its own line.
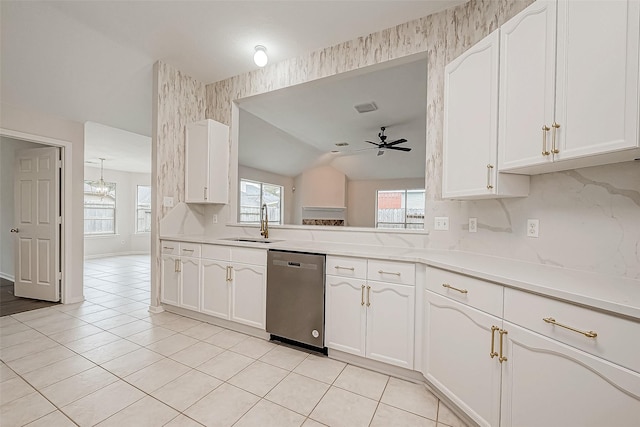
(260,56)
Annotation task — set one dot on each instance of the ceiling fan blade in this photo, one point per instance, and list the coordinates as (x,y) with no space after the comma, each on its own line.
(399,141)
(399,148)
(374,143)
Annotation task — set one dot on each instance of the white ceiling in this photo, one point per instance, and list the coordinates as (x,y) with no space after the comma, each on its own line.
(121,150)
(92,60)
(290,130)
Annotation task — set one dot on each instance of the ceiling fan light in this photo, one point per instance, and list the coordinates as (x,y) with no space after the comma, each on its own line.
(260,56)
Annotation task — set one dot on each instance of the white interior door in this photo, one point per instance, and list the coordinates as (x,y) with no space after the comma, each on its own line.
(37,223)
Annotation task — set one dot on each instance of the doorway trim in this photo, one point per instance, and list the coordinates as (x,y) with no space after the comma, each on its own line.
(67,167)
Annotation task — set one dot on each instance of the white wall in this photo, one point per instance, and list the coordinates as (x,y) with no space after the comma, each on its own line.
(17,119)
(252,174)
(8,147)
(361,198)
(125,240)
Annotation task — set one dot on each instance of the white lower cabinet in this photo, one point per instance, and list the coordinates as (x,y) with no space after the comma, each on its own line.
(180,280)
(224,281)
(170,280)
(248,294)
(371,319)
(547,383)
(458,356)
(502,373)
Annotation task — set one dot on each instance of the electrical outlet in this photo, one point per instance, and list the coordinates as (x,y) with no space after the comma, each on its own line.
(473,225)
(441,223)
(167,202)
(215,218)
(533,227)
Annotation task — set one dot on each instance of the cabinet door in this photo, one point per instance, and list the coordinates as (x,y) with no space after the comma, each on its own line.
(597,82)
(547,383)
(190,283)
(215,288)
(458,358)
(170,280)
(527,86)
(471,121)
(196,167)
(248,300)
(345,314)
(390,323)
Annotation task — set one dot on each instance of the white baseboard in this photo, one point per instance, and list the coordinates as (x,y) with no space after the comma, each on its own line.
(94,256)
(6,276)
(155,309)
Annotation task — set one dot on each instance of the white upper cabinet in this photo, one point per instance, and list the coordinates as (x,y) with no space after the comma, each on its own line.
(207,162)
(470,146)
(569,86)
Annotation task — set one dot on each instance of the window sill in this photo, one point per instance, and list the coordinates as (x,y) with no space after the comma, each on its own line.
(100,236)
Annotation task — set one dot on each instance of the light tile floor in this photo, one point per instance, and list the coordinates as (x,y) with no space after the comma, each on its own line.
(109,362)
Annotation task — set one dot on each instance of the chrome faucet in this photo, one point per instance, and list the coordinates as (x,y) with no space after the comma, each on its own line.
(264,224)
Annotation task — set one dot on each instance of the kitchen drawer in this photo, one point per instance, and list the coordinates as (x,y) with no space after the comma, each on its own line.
(392,271)
(249,256)
(616,340)
(190,249)
(347,267)
(219,252)
(477,293)
(168,247)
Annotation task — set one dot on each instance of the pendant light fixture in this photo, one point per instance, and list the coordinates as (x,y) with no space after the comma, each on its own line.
(101,187)
(260,56)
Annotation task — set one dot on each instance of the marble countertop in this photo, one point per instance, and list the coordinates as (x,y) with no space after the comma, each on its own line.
(614,294)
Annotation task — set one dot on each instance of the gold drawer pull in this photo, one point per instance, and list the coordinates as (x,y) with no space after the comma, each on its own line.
(339,267)
(167,247)
(489,186)
(448,286)
(188,250)
(545,129)
(502,358)
(493,353)
(588,334)
(388,272)
(555,127)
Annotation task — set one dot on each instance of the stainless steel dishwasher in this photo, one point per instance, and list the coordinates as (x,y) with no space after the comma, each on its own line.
(295,297)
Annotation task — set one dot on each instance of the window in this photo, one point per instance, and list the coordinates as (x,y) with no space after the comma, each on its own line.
(99,210)
(400,209)
(143,209)
(253,195)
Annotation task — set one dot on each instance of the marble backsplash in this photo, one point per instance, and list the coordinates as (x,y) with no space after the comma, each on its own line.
(589,218)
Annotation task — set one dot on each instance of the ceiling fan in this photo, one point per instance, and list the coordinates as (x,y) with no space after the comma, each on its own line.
(384,145)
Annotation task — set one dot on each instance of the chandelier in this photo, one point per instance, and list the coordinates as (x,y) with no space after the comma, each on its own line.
(100,187)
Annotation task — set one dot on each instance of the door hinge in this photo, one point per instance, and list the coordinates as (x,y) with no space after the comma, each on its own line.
(59,275)
(59,220)
(59,164)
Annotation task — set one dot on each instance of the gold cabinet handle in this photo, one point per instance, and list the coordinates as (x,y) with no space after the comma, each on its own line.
(588,334)
(178,266)
(502,358)
(229,273)
(188,250)
(389,272)
(545,129)
(489,186)
(205,193)
(555,127)
(448,286)
(493,353)
(167,247)
(339,267)
(368,296)
(362,296)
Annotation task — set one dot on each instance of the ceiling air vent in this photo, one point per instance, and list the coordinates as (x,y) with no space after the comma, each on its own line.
(365,108)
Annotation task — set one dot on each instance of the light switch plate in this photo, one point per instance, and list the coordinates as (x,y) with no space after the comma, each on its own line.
(533,227)
(167,202)
(441,223)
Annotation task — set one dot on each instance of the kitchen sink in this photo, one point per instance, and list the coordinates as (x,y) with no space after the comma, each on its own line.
(250,240)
